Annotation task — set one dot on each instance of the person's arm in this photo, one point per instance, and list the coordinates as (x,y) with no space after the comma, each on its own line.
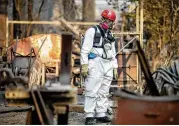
(87,45)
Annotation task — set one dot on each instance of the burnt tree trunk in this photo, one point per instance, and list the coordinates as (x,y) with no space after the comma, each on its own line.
(69,10)
(30,18)
(3,6)
(20,14)
(88,10)
(16,16)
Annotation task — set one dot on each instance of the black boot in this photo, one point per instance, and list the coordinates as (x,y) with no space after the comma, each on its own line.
(90,121)
(104,119)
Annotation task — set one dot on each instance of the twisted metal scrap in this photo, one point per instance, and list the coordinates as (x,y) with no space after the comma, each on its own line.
(167,79)
(9,78)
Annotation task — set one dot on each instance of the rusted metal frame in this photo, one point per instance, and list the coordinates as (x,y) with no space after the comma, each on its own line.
(7,35)
(14,55)
(31,66)
(128,75)
(52,22)
(141,20)
(31,51)
(57,72)
(57,69)
(69,23)
(137,30)
(146,70)
(123,62)
(34,22)
(125,46)
(60,22)
(141,4)
(40,107)
(137,19)
(43,73)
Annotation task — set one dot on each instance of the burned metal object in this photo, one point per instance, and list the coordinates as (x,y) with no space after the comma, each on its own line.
(167,79)
(21,64)
(46,46)
(45,116)
(134,109)
(66,59)
(17,93)
(16,72)
(152,88)
(8,79)
(48,100)
(45,102)
(164,81)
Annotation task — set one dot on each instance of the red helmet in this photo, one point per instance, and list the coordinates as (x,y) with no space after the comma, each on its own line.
(109,14)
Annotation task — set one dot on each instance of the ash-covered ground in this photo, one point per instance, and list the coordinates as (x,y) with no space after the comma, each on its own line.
(19,118)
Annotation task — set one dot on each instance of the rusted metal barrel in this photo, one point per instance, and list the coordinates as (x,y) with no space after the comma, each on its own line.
(146,110)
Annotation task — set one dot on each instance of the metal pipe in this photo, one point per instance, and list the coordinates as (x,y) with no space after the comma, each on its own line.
(125,46)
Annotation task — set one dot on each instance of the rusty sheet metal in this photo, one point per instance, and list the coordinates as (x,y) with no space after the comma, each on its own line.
(50,45)
(127,62)
(146,110)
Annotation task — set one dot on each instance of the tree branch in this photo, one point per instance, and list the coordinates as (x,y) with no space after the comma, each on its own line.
(40,9)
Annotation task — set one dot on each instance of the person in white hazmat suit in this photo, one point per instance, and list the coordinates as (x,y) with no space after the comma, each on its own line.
(98,67)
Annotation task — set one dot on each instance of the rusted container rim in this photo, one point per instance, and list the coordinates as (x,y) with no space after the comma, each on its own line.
(126,95)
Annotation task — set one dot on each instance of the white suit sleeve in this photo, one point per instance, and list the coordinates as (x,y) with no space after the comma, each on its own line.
(114,60)
(87,45)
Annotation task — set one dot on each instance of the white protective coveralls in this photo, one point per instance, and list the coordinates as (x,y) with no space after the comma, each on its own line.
(100,75)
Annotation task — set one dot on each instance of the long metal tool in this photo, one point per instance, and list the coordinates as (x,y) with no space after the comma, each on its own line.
(131,41)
